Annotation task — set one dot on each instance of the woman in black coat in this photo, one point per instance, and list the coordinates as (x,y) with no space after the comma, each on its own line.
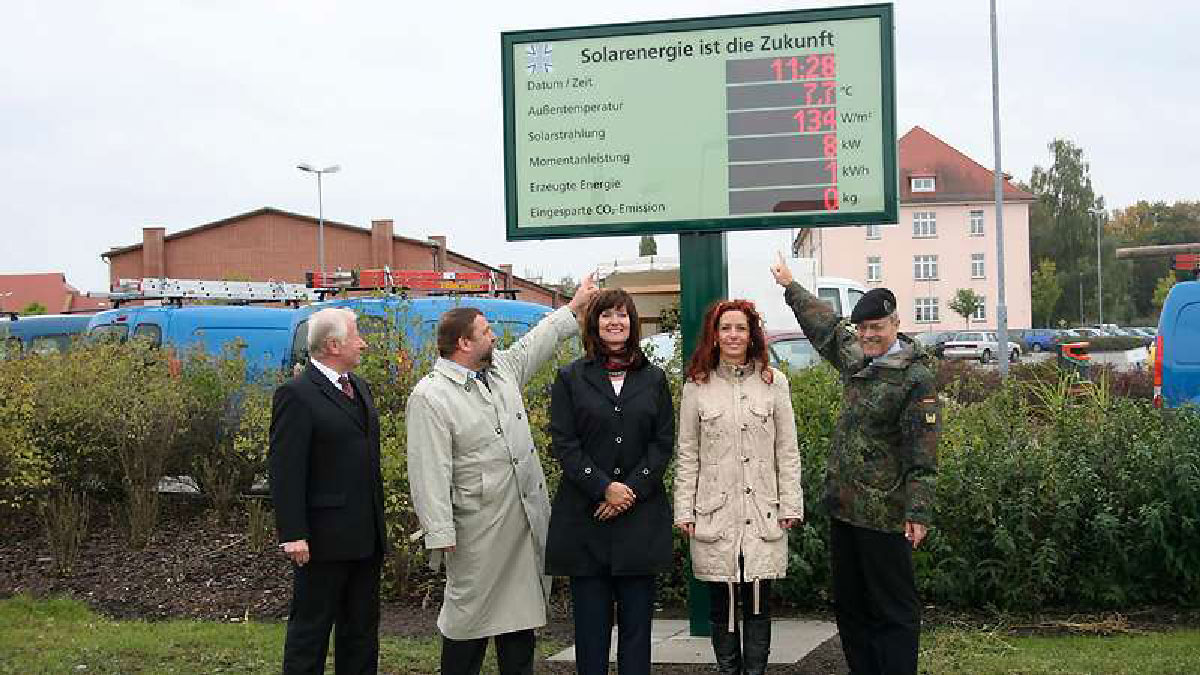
(612,429)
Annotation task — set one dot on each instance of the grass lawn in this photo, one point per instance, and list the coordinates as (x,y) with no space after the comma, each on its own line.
(64,636)
(982,653)
(61,635)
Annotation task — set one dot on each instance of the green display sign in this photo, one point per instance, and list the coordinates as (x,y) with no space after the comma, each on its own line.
(739,122)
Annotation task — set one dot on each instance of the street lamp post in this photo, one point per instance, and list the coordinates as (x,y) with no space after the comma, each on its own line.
(1001,305)
(320,210)
(1099,214)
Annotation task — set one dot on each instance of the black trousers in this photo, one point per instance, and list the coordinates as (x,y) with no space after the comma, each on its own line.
(344,596)
(875,599)
(743,595)
(514,654)
(593,599)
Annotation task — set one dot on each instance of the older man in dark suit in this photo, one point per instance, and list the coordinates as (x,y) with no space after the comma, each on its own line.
(328,494)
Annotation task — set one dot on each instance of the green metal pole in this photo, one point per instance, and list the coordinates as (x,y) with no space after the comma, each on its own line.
(704,279)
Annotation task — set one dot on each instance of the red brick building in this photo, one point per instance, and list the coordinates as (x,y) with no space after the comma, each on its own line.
(272,244)
(50,290)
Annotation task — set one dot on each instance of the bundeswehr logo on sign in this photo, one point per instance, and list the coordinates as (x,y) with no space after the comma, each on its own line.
(538,58)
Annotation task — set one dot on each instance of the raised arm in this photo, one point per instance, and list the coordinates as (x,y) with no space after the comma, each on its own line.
(826,330)
(537,346)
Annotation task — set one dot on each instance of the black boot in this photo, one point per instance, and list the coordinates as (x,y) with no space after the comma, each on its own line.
(727,647)
(756,646)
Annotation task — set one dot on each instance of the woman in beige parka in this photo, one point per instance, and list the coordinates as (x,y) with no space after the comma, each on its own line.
(737,479)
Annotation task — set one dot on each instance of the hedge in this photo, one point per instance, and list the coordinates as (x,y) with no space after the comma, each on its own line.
(1050,492)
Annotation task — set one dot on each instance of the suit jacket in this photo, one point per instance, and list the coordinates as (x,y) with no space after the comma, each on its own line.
(599,437)
(324,461)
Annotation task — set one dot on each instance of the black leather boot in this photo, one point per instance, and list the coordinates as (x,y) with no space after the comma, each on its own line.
(756,645)
(727,647)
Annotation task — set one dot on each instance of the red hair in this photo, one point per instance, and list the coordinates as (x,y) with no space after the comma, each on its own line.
(707,355)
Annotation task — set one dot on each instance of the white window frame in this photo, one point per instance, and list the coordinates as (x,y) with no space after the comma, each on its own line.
(924,224)
(978,266)
(925,310)
(923,184)
(925,268)
(874,268)
(874,231)
(975,222)
(980,314)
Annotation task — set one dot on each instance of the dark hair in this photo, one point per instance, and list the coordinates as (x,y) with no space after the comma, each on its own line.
(606,299)
(707,355)
(454,324)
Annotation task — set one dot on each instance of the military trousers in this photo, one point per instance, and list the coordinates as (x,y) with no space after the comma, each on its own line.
(875,599)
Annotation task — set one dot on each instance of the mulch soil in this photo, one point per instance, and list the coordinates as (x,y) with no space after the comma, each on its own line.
(194,568)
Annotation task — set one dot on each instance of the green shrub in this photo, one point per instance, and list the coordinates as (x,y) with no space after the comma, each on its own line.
(1113,343)
(24,467)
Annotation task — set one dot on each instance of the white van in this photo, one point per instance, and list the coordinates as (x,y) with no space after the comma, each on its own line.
(751,280)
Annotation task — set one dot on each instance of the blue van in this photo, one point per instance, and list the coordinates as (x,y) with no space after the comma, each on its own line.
(40,334)
(1177,348)
(263,331)
(418,317)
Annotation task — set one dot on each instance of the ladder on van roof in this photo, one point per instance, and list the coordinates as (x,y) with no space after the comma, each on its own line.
(175,291)
(316,288)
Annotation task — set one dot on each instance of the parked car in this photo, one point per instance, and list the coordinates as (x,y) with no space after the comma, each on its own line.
(935,342)
(791,350)
(41,334)
(982,345)
(786,349)
(1039,339)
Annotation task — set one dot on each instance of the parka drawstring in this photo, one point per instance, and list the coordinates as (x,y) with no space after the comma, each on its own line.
(756,596)
(732,615)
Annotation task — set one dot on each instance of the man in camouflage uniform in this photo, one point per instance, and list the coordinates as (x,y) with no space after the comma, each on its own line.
(880,479)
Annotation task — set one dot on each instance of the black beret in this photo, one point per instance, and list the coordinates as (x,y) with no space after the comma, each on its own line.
(876,303)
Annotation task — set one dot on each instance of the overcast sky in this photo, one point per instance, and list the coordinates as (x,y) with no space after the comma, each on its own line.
(117,115)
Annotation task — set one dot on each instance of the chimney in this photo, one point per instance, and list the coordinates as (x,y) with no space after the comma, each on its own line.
(439,254)
(381,244)
(507,276)
(154,254)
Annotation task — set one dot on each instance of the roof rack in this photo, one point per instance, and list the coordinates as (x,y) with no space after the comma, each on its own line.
(316,287)
(402,281)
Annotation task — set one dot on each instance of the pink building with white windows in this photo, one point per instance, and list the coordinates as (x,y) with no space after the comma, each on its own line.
(945,240)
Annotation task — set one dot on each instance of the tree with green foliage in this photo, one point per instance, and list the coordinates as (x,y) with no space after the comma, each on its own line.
(647,246)
(668,318)
(33,309)
(1150,224)
(1045,292)
(1062,226)
(1161,289)
(965,303)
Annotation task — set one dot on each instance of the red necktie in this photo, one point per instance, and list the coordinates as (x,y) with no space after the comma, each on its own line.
(344,383)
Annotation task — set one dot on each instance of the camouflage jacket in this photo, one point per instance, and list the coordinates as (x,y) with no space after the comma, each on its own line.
(882,466)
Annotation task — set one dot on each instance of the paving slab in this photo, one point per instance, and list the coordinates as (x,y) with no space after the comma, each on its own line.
(670,642)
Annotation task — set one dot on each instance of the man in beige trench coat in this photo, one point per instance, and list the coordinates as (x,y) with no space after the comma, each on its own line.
(478,487)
